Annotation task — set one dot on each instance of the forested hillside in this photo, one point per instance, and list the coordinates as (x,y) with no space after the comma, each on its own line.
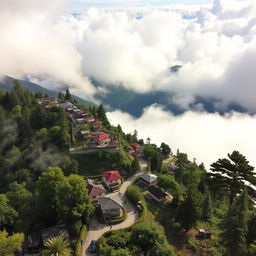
(43,185)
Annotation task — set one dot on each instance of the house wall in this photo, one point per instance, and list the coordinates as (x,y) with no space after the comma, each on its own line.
(115,212)
(109,183)
(146,184)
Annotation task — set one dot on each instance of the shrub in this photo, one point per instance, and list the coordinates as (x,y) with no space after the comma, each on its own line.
(134,194)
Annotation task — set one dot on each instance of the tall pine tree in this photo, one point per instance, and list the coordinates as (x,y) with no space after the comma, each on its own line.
(235,227)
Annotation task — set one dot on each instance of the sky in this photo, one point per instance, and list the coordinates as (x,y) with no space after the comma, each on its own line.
(134,45)
(113,3)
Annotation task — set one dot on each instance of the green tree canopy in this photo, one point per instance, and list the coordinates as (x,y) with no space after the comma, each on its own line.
(73,201)
(231,174)
(7,213)
(189,211)
(9,245)
(134,194)
(147,235)
(68,95)
(235,226)
(165,149)
(156,162)
(135,167)
(47,188)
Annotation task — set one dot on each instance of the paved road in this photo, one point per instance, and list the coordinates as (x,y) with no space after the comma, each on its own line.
(97,229)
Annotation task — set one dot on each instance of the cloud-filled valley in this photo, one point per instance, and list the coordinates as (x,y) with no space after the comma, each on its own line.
(133,48)
(201,135)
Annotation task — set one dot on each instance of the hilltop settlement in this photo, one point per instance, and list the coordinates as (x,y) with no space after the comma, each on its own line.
(66,173)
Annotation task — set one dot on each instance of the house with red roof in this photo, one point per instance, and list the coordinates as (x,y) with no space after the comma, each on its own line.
(89,119)
(112,180)
(95,191)
(136,146)
(135,149)
(78,112)
(101,138)
(97,125)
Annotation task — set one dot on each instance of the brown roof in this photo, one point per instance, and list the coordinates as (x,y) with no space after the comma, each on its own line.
(95,190)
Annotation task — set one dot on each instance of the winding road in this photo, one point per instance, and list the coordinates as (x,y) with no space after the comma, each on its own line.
(97,229)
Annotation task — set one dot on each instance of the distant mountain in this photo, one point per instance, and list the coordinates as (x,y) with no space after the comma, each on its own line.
(118,97)
(6,84)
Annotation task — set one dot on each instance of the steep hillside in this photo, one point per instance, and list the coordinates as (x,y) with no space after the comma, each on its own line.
(6,84)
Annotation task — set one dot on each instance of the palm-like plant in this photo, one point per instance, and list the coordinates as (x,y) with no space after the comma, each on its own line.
(57,246)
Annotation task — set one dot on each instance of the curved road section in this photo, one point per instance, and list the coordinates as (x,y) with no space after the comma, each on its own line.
(97,229)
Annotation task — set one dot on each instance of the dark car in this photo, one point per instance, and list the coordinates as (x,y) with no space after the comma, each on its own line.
(92,247)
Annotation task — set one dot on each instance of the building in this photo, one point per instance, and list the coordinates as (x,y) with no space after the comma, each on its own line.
(112,180)
(157,194)
(97,125)
(101,138)
(95,191)
(89,119)
(78,112)
(85,134)
(34,242)
(110,208)
(48,102)
(204,234)
(136,146)
(147,180)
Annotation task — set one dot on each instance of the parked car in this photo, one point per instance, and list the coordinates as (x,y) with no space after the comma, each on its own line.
(92,247)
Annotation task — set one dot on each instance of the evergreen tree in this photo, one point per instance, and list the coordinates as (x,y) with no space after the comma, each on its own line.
(61,96)
(68,95)
(231,174)
(235,227)
(207,207)
(135,167)
(156,162)
(101,113)
(189,211)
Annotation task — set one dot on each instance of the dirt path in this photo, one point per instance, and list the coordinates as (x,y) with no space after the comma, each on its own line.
(97,229)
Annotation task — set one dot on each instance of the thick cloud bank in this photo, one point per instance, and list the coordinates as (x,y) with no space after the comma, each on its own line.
(135,47)
(204,136)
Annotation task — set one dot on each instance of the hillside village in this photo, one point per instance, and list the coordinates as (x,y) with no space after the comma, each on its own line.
(68,176)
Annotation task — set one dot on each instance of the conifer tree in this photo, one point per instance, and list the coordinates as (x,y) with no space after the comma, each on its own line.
(68,95)
(229,175)
(235,226)
(101,113)
(207,207)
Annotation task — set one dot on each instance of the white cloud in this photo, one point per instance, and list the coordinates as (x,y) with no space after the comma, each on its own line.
(33,43)
(135,47)
(207,137)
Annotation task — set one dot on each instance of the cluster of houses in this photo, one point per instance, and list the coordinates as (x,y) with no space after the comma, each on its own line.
(148,181)
(109,207)
(88,130)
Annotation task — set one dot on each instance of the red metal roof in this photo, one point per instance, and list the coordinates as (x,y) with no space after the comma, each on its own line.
(90,118)
(135,145)
(111,175)
(96,123)
(101,136)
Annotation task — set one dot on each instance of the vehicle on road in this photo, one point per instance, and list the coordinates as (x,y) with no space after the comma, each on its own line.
(92,247)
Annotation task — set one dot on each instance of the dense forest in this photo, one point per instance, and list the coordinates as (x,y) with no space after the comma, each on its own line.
(42,185)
